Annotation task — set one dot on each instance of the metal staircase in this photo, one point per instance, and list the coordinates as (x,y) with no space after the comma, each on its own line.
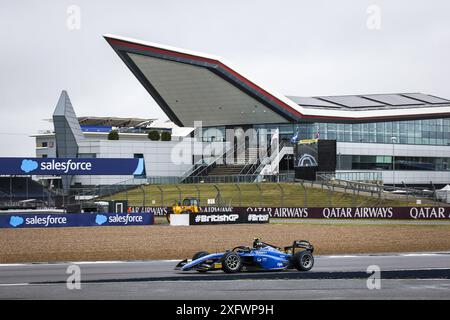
(269,165)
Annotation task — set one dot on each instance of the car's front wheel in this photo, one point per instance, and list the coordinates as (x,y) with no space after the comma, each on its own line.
(303,260)
(231,262)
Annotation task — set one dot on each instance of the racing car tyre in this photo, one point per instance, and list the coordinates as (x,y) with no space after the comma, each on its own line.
(231,262)
(303,260)
(199,255)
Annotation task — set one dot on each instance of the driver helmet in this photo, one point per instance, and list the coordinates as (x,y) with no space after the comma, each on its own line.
(257,243)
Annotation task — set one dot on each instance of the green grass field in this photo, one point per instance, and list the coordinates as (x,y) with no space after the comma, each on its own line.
(263,194)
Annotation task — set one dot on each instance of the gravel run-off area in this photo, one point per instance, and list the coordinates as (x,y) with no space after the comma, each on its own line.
(168,242)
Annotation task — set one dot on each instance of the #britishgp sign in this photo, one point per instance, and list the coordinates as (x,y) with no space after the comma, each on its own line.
(42,220)
(72,166)
(227,215)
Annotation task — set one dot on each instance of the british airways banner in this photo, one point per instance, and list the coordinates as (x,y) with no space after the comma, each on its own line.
(72,166)
(42,220)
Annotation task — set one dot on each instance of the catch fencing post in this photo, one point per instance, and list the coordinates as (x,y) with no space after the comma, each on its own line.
(240,194)
(434,193)
(305,200)
(162,195)
(260,194)
(379,192)
(109,192)
(143,193)
(281,194)
(218,196)
(179,192)
(198,192)
(330,202)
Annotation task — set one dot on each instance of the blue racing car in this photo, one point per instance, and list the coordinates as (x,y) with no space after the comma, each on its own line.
(261,256)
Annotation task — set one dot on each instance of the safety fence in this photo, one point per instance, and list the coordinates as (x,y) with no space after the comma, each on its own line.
(301,194)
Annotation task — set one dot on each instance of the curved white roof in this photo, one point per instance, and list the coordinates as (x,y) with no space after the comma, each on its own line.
(192,86)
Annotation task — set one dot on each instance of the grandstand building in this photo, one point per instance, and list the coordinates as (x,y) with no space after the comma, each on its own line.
(87,137)
(399,137)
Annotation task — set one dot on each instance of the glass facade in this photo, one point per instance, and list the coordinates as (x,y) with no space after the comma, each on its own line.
(422,132)
(414,132)
(212,134)
(380,162)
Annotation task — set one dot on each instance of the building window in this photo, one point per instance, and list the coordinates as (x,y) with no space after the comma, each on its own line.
(360,162)
(87,155)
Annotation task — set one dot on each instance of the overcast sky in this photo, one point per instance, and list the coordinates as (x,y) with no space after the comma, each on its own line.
(303,48)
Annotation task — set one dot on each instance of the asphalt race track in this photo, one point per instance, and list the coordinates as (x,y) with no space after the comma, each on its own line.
(403,276)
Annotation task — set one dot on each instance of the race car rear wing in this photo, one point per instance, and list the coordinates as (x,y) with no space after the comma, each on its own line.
(303,244)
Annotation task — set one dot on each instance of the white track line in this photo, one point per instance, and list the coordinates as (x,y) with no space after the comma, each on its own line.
(93,262)
(418,254)
(332,257)
(81,262)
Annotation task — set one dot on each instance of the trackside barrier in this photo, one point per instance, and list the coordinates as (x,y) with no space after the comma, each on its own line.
(179,219)
(230,217)
(389,213)
(392,213)
(40,220)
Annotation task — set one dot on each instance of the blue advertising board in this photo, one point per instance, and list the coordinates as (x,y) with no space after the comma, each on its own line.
(72,166)
(51,220)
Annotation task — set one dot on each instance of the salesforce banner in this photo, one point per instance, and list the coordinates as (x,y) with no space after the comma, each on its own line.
(42,220)
(72,166)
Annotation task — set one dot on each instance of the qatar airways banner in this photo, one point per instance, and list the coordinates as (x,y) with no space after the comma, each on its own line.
(42,220)
(72,166)
(156,211)
(392,213)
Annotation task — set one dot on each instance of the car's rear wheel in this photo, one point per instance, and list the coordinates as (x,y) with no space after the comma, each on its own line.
(231,262)
(303,260)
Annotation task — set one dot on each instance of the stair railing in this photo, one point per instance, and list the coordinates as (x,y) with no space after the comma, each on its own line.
(226,154)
